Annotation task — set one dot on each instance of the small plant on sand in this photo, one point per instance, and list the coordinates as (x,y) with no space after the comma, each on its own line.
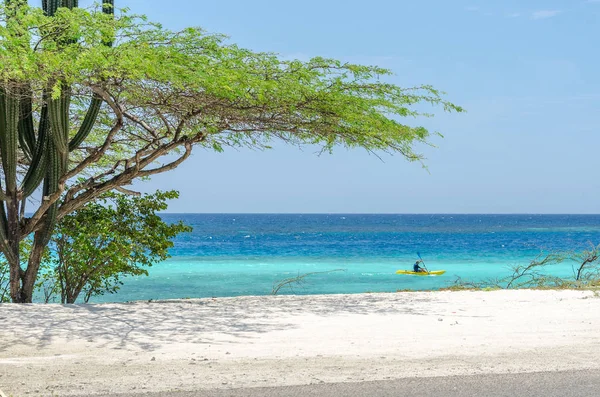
(585,266)
(298,280)
(102,242)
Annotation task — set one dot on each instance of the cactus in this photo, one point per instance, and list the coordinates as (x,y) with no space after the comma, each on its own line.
(46,151)
(87,124)
(9,107)
(36,170)
(26,128)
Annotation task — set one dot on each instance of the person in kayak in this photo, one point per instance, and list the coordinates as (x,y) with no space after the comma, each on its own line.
(417,268)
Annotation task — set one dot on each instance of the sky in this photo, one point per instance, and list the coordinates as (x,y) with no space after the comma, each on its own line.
(525,70)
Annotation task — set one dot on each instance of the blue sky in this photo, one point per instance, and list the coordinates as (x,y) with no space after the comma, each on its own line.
(526,71)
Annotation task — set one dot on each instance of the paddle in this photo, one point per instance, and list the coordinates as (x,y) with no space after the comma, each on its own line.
(424,266)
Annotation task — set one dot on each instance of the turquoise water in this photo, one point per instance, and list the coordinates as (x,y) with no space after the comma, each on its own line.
(246,254)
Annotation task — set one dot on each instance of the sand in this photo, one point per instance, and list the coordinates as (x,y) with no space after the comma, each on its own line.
(292,340)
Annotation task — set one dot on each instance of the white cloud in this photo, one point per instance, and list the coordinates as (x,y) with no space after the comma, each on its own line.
(543,14)
(513,15)
(472,8)
(593,1)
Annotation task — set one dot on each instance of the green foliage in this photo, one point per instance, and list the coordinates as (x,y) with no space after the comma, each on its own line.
(104,241)
(92,99)
(322,101)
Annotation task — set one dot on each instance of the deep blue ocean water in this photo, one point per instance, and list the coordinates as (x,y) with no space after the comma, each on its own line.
(246,254)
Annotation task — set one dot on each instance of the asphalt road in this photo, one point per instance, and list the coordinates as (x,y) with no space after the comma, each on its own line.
(541,384)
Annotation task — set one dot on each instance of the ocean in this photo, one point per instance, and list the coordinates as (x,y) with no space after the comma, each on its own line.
(247,254)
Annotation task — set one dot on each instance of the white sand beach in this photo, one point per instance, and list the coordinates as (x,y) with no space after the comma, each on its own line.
(292,340)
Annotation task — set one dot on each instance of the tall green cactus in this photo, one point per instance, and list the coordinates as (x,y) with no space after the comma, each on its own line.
(46,151)
(8,152)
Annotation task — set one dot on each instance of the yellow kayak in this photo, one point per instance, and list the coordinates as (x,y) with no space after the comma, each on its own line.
(431,273)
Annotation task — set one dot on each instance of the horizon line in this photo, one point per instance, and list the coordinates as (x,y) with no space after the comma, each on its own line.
(378,213)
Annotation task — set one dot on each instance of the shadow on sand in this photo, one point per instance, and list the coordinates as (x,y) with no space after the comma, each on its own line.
(149,325)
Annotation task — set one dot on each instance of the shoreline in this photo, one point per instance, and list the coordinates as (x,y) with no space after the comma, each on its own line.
(293,340)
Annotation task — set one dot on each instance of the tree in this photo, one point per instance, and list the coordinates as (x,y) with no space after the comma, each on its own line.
(116,236)
(91,101)
(44,153)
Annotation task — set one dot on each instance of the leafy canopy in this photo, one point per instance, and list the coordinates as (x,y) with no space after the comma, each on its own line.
(218,91)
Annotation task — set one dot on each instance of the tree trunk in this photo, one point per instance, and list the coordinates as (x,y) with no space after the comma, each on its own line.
(33,266)
(14,238)
(73,292)
(15,282)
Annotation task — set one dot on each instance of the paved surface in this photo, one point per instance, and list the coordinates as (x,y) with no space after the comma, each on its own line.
(542,384)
